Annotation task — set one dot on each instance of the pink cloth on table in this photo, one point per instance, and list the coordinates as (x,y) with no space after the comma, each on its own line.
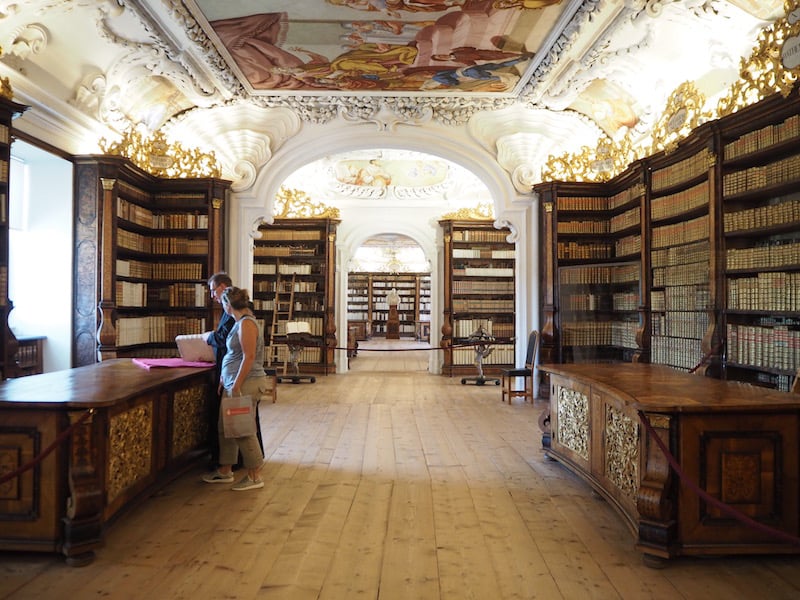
(150,363)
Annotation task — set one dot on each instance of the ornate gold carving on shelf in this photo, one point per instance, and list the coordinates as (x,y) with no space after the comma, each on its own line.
(162,159)
(597,165)
(480,212)
(622,451)
(773,66)
(573,421)
(130,440)
(684,112)
(189,420)
(295,204)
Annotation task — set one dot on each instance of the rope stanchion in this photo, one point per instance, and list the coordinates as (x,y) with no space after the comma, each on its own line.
(715,502)
(44,454)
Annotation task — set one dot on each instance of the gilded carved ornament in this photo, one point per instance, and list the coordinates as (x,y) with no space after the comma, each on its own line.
(772,67)
(295,204)
(162,159)
(480,212)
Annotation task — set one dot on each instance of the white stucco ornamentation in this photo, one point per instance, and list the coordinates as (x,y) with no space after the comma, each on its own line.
(27,40)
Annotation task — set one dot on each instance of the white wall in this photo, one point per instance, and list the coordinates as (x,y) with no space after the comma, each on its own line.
(40,252)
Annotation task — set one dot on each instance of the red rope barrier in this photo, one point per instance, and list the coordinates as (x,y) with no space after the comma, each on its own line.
(59,438)
(724,508)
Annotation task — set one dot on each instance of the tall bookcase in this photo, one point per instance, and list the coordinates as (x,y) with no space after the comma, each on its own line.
(479,286)
(144,249)
(760,172)
(720,250)
(367,304)
(293,280)
(593,269)
(9,110)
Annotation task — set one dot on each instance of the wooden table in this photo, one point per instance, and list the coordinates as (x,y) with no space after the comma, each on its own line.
(120,432)
(737,442)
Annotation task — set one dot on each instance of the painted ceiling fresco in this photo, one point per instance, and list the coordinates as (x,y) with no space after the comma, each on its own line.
(380,45)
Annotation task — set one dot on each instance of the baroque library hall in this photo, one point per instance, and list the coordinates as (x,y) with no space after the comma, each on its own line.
(531,269)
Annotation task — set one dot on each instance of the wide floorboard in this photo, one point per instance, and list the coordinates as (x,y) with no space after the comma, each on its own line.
(385,483)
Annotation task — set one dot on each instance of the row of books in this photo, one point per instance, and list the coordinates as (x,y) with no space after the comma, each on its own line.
(681,297)
(775,254)
(628,246)
(156,328)
(480,235)
(679,324)
(290,234)
(599,333)
(591,250)
(463,328)
(680,353)
(482,253)
(284,250)
(625,220)
(754,178)
(484,271)
(582,227)
(4,134)
(761,139)
(680,275)
(307,355)
(768,347)
(145,217)
(680,233)
(482,305)
(605,274)
(502,354)
(137,242)
(461,287)
(406,328)
(179,294)
(162,271)
(773,291)
(681,255)
(779,213)
(400,284)
(681,171)
(601,203)
(680,202)
(619,302)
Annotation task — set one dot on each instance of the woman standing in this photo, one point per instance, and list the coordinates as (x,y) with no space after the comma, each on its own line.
(242,373)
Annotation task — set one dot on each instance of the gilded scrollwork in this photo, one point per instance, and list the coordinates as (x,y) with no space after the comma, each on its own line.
(622,451)
(189,422)
(130,449)
(480,212)
(295,204)
(161,158)
(573,421)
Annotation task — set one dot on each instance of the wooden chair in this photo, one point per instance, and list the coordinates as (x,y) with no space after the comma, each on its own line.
(509,375)
(796,384)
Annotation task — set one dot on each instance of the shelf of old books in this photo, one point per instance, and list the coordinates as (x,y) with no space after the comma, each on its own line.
(599,312)
(680,257)
(293,281)
(761,223)
(481,284)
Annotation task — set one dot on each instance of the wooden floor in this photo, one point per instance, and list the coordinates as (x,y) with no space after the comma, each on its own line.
(388,482)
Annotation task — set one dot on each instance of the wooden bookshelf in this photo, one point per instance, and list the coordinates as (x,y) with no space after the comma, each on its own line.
(479,291)
(368,310)
(720,249)
(144,248)
(592,271)
(293,280)
(9,110)
(761,231)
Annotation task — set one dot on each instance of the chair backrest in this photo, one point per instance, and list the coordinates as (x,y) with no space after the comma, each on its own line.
(533,346)
(796,385)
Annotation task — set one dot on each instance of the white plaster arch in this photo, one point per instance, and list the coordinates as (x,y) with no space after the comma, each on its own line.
(315,142)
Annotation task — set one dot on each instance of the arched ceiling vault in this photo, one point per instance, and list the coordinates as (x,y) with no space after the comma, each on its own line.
(512,81)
